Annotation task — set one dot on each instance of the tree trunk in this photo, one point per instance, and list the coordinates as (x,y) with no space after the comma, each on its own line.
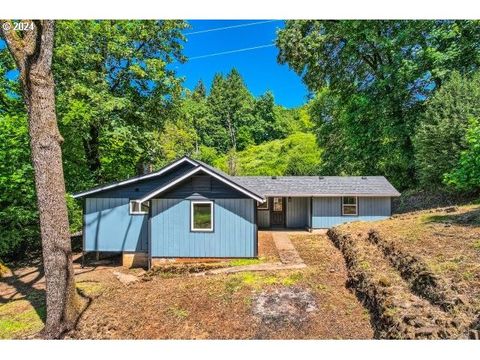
(33,55)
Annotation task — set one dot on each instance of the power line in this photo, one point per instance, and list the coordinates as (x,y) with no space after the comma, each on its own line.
(229,27)
(230,52)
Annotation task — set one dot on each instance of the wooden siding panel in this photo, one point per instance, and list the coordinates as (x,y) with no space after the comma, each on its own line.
(143,187)
(263,218)
(297,212)
(203,187)
(110,227)
(233,234)
(327,211)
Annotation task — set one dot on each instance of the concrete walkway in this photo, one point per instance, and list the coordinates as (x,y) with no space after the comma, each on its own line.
(287,252)
(289,257)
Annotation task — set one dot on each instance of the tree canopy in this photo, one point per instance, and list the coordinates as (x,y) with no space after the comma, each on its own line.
(371,79)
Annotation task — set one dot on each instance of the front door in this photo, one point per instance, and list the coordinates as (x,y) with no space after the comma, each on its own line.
(277,215)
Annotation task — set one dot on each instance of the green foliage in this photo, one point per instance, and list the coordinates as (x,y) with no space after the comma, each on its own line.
(440,137)
(19,231)
(298,154)
(114,88)
(75,214)
(370,80)
(466,176)
(231,112)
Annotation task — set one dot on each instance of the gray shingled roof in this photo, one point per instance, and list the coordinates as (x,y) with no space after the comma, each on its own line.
(318,186)
(284,185)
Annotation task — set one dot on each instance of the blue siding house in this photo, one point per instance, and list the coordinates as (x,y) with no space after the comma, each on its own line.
(189,209)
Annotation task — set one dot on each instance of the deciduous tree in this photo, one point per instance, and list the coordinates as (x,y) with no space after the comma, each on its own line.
(32,51)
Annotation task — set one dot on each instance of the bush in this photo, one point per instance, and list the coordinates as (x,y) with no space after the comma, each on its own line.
(441,136)
(466,176)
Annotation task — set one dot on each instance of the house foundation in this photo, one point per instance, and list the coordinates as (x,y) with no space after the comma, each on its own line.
(134,260)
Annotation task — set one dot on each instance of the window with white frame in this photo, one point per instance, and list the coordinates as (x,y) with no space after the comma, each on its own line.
(201,216)
(262,206)
(349,205)
(139,208)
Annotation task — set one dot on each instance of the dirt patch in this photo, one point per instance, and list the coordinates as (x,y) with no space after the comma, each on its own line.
(288,305)
(415,200)
(421,278)
(266,247)
(396,312)
(443,246)
(179,306)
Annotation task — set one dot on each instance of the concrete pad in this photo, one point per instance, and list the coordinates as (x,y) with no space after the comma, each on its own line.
(287,252)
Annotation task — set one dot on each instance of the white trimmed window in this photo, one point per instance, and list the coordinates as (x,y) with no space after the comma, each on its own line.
(349,205)
(201,216)
(262,206)
(138,208)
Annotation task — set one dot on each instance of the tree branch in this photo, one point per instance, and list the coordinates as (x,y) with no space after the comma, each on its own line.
(14,42)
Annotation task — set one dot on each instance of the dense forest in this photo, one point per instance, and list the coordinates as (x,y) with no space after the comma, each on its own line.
(392,98)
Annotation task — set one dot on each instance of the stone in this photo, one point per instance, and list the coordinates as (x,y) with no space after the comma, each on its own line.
(126,279)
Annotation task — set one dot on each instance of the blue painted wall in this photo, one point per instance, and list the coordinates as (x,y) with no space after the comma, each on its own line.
(233,235)
(110,227)
(202,186)
(297,209)
(327,211)
(141,188)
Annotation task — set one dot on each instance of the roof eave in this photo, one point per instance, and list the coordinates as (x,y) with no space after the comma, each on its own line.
(185,176)
(136,179)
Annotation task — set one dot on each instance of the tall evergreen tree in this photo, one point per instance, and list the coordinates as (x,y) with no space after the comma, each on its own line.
(200,91)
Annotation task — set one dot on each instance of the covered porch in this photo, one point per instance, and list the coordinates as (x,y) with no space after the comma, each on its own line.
(285,212)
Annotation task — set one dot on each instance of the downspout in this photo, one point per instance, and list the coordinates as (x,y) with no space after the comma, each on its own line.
(255,211)
(149,237)
(311,214)
(83,230)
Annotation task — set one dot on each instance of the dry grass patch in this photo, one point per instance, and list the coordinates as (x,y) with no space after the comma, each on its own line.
(447,240)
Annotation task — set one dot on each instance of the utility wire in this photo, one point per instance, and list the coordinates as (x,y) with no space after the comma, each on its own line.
(229,27)
(230,52)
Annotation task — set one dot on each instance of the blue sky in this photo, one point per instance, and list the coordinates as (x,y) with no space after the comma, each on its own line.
(259,67)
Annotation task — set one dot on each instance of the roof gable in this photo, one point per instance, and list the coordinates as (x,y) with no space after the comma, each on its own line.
(209,171)
(137,179)
(165,179)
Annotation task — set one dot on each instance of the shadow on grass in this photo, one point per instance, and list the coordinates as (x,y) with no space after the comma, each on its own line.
(25,290)
(23,286)
(469,218)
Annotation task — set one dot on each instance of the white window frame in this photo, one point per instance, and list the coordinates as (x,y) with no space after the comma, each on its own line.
(139,212)
(265,203)
(192,204)
(356,205)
